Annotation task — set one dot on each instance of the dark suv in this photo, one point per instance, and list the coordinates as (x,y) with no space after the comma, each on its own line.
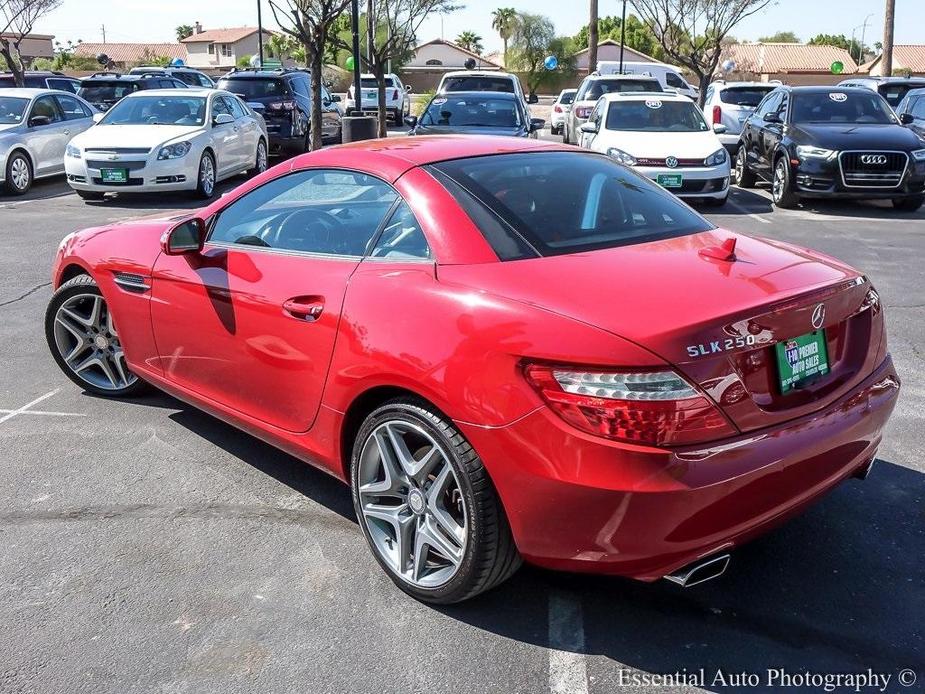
(283,98)
(831,142)
(193,78)
(104,89)
(42,80)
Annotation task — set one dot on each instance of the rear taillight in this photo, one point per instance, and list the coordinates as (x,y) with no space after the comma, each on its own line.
(281,105)
(557,108)
(395,95)
(656,408)
(717,115)
(583,111)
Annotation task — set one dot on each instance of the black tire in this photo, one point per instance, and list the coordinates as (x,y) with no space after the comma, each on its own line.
(909,204)
(490,555)
(742,176)
(565,139)
(204,191)
(259,168)
(81,285)
(781,186)
(90,194)
(21,162)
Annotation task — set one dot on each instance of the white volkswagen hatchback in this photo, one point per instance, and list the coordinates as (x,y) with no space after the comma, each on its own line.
(167,140)
(665,137)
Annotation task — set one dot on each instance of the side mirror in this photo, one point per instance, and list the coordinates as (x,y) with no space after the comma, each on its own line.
(719,128)
(37,121)
(906,118)
(411,121)
(533,99)
(588,127)
(185,237)
(537,124)
(409,88)
(771,118)
(223,119)
(335,97)
(97,117)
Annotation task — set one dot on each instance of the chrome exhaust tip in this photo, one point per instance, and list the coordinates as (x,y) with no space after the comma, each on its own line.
(700,571)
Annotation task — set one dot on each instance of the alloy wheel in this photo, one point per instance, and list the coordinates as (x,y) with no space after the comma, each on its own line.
(777,185)
(261,157)
(737,169)
(411,503)
(19,173)
(88,342)
(207,175)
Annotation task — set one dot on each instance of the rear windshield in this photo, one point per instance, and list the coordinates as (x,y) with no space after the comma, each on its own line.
(478,84)
(744,96)
(473,111)
(841,107)
(553,203)
(567,98)
(597,88)
(371,83)
(894,92)
(111,90)
(655,115)
(249,89)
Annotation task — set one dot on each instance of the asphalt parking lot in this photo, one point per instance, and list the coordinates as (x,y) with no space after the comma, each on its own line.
(147,547)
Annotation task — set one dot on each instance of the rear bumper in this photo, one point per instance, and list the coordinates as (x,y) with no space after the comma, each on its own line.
(581,503)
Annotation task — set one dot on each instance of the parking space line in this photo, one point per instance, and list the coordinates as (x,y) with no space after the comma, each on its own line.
(568,672)
(9,414)
(43,413)
(741,209)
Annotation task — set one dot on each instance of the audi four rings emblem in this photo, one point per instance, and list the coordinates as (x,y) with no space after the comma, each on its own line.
(873,159)
(818,316)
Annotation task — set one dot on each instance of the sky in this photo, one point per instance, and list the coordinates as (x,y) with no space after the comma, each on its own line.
(154,20)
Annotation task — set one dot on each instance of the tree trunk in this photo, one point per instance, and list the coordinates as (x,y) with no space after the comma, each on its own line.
(705,80)
(506,66)
(6,50)
(316,77)
(592,37)
(886,57)
(379,71)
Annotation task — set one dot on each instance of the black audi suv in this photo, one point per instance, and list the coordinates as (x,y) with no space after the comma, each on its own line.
(831,142)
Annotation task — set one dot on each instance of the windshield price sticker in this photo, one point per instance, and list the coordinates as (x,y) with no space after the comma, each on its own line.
(838,96)
(653,103)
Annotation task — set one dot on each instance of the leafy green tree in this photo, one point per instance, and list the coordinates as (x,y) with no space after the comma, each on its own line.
(504,20)
(281,46)
(853,46)
(244,61)
(781,37)
(639,36)
(183,31)
(470,41)
(17,17)
(530,45)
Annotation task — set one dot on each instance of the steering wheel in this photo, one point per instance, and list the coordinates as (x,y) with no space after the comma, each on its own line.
(310,230)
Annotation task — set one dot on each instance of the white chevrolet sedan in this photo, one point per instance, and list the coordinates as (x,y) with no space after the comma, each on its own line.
(663,136)
(167,140)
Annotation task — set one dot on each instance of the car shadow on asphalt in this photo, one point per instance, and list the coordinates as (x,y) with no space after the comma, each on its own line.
(740,199)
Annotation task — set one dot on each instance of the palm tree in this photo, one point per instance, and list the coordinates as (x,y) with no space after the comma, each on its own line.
(503,20)
(470,41)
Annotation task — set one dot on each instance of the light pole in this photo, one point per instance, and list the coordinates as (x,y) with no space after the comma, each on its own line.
(622,34)
(259,35)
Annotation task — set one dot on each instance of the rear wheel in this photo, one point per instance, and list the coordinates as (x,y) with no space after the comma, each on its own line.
(260,158)
(82,336)
(781,189)
(910,204)
(426,505)
(741,175)
(18,174)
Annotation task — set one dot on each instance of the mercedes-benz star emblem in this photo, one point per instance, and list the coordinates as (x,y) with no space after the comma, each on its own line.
(818,316)
(671,162)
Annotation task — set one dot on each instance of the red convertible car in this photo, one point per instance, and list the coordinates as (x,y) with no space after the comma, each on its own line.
(511,350)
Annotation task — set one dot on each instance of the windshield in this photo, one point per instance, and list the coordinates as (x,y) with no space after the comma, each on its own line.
(655,115)
(599,87)
(894,92)
(157,110)
(96,92)
(250,89)
(744,96)
(478,84)
(371,83)
(552,203)
(841,107)
(12,109)
(567,98)
(473,111)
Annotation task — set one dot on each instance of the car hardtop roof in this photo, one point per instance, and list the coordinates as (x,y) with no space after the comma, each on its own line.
(477,92)
(644,96)
(29,92)
(389,158)
(108,75)
(743,83)
(822,89)
(883,78)
(593,76)
(178,91)
(164,67)
(38,73)
(480,73)
(259,73)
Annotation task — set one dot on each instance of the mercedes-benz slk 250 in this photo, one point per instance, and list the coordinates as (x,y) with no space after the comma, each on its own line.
(509,349)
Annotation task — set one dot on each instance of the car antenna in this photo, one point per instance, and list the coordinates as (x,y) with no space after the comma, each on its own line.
(726,251)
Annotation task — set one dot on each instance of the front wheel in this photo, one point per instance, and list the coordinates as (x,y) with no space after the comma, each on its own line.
(426,505)
(82,336)
(741,175)
(910,204)
(781,188)
(18,174)
(205,178)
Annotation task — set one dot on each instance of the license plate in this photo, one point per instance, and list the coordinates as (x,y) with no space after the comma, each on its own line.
(801,359)
(114,175)
(669,180)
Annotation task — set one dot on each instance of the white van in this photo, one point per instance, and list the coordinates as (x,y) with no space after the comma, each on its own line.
(669,76)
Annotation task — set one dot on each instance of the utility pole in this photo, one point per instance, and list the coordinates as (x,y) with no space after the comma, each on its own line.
(622,34)
(259,35)
(370,33)
(355,42)
(592,36)
(103,29)
(886,57)
(863,34)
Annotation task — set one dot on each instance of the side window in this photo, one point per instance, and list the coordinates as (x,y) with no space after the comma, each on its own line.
(300,86)
(782,107)
(237,109)
(72,108)
(203,80)
(45,106)
(63,84)
(674,81)
(219,105)
(709,97)
(402,237)
(768,104)
(918,108)
(322,211)
(595,116)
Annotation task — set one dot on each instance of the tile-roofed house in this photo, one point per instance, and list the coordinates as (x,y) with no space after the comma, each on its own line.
(791,63)
(608,49)
(907,58)
(221,48)
(127,55)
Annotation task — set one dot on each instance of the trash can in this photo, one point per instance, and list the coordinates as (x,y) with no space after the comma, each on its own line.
(356,128)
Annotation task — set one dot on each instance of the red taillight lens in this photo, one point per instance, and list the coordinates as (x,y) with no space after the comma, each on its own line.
(717,115)
(557,108)
(656,408)
(282,105)
(395,95)
(583,111)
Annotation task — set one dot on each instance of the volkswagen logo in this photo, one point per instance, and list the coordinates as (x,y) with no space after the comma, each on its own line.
(818,316)
(878,159)
(671,162)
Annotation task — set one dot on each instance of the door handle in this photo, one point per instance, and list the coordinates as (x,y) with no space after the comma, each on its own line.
(308,310)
